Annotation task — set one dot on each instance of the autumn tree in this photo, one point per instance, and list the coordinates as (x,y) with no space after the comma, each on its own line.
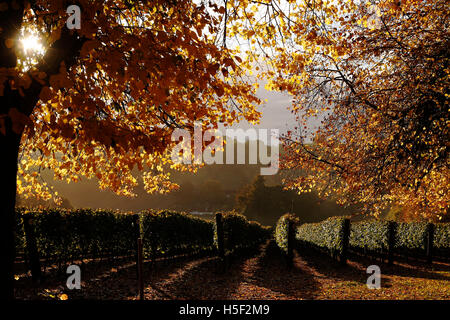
(103,99)
(370,82)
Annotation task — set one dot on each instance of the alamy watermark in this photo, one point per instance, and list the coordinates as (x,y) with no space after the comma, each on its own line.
(263,147)
(374,281)
(74,20)
(74,280)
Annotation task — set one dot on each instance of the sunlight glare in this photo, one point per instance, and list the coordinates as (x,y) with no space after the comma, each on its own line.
(32,44)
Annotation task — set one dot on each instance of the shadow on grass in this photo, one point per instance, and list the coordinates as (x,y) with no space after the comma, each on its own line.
(110,280)
(323,266)
(123,284)
(54,277)
(408,268)
(206,280)
(273,272)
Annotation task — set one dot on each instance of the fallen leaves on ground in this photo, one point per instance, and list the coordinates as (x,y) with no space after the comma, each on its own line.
(263,274)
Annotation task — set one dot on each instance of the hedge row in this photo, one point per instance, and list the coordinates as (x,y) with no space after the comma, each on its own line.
(239,233)
(170,233)
(328,235)
(282,230)
(408,237)
(378,236)
(370,235)
(411,237)
(441,240)
(63,235)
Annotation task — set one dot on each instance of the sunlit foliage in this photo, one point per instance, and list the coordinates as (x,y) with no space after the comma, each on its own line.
(370,82)
(104,99)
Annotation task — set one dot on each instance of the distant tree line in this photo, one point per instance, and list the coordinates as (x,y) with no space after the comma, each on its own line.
(266,204)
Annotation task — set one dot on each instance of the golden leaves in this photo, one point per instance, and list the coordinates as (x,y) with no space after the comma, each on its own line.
(136,79)
(63,297)
(360,78)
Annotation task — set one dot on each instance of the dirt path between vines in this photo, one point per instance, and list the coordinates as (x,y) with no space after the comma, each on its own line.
(262,275)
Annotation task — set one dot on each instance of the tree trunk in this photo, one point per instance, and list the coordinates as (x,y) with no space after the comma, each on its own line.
(9,146)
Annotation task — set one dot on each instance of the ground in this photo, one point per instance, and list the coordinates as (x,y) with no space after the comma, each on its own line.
(262,274)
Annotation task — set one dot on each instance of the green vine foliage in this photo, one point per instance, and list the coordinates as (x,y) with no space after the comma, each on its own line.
(441,241)
(370,235)
(63,236)
(239,233)
(169,233)
(327,235)
(411,236)
(282,230)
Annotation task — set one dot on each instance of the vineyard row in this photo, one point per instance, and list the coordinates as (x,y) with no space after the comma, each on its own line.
(337,236)
(54,236)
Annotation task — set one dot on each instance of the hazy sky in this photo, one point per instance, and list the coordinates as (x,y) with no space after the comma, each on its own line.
(275,112)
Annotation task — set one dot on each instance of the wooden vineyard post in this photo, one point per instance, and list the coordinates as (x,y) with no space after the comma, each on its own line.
(220,240)
(391,241)
(345,241)
(429,242)
(33,254)
(140,269)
